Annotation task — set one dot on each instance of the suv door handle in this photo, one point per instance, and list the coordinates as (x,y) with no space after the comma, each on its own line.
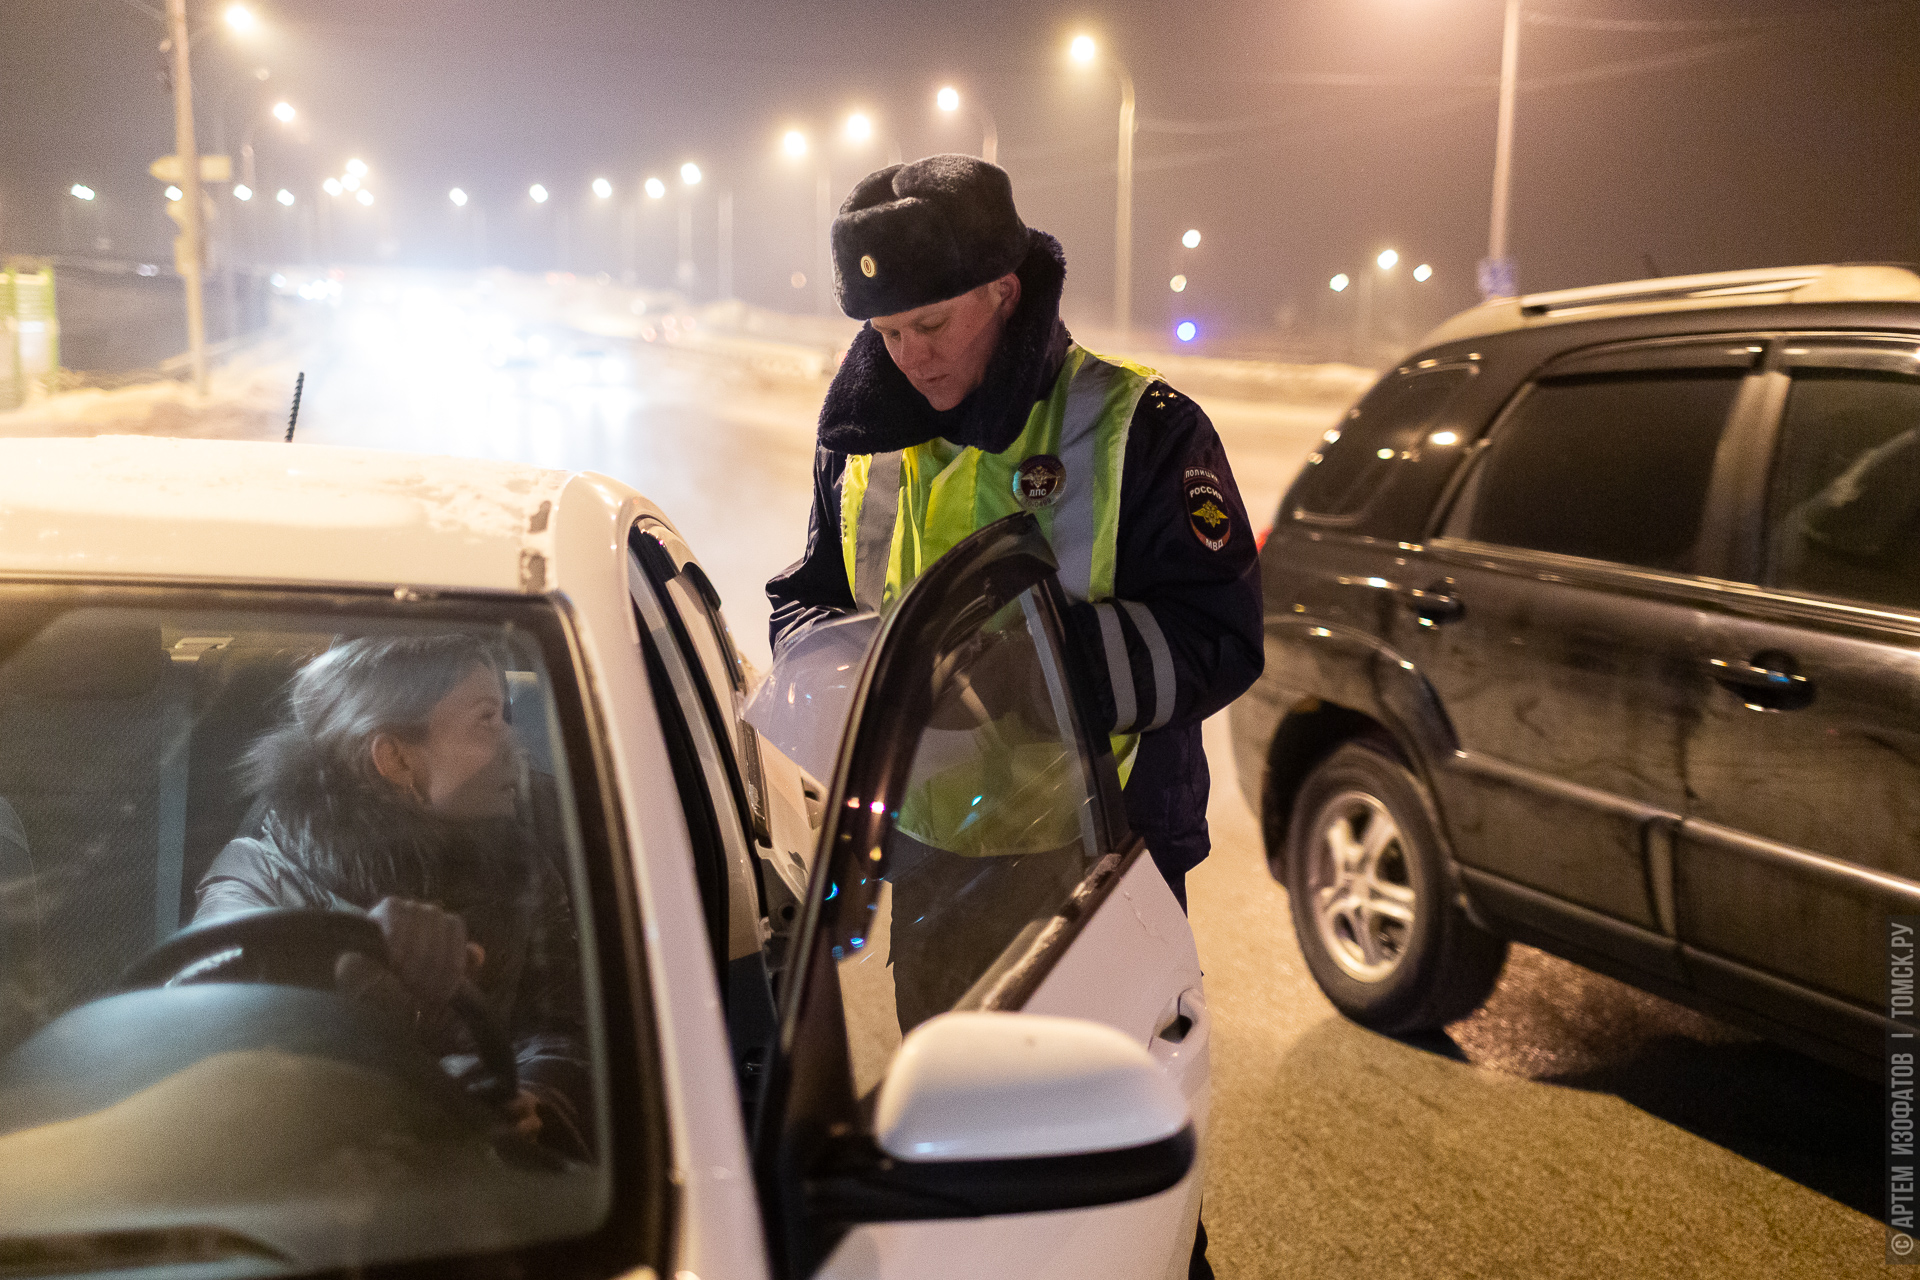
(1770,682)
(1433,606)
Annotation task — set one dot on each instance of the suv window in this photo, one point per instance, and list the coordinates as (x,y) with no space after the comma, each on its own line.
(1843,508)
(1348,468)
(260,1094)
(1610,467)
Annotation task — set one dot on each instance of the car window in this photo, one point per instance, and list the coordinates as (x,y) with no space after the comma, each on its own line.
(1843,506)
(207,806)
(1611,467)
(703,635)
(996,826)
(1353,458)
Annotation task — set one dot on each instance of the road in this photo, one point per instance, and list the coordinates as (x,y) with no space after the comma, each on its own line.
(1573,1127)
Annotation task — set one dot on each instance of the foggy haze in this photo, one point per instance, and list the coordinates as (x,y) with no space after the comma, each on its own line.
(1300,138)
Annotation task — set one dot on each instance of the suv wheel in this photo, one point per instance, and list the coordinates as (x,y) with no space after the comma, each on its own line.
(1370,899)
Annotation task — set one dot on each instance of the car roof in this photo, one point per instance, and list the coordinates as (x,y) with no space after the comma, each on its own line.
(1769,286)
(143,507)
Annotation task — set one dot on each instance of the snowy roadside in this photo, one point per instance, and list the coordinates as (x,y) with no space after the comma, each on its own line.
(756,351)
(248,398)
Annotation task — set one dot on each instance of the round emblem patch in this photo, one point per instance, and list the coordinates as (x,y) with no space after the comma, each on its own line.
(1039,481)
(1207,509)
(867,265)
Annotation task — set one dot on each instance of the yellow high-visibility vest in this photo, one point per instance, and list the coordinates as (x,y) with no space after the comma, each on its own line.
(900,512)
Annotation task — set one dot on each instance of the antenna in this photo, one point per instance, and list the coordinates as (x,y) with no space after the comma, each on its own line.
(298,383)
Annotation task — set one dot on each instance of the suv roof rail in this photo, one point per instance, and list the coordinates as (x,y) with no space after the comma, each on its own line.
(1832,282)
(1718,284)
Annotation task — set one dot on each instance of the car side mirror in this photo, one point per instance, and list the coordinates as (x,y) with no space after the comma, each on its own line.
(990,1113)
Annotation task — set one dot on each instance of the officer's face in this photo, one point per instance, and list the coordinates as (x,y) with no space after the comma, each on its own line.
(943,347)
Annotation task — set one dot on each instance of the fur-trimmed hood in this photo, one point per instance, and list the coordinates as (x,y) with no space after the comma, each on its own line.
(340,836)
(872,408)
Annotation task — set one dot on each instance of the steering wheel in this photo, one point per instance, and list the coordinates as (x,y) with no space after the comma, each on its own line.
(293,946)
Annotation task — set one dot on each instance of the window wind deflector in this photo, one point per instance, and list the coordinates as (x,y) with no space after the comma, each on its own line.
(1733,353)
(1853,351)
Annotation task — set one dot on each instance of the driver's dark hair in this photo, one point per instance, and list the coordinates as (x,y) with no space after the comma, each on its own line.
(355,691)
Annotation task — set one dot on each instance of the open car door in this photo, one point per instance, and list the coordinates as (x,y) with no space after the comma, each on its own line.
(992,1051)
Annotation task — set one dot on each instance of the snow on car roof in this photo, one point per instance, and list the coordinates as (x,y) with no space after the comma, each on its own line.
(136,506)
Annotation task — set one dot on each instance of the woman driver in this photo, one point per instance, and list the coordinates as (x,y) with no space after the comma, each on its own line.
(395,789)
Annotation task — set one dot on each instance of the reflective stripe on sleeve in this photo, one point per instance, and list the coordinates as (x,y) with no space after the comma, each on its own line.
(1119,670)
(1162,662)
(879,507)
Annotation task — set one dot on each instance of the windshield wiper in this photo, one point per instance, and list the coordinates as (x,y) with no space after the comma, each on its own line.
(125,1250)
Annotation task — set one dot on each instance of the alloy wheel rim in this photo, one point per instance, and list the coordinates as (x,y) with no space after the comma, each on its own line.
(1360,887)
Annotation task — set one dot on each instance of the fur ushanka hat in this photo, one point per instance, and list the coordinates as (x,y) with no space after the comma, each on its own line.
(924,232)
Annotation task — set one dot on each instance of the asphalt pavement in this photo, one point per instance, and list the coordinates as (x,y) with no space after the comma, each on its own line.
(1572,1127)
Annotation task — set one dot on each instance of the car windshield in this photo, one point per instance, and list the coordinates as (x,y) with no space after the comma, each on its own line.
(294,964)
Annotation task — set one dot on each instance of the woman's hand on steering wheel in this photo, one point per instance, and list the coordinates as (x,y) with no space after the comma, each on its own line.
(429,961)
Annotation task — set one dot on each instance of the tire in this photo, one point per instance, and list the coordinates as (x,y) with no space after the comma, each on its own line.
(1372,905)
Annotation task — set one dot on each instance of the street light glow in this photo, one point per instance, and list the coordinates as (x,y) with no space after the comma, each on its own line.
(332,186)
(656,188)
(358,168)
(240,18)
(364,196)
(602,188)
(283,112)
(1339,282)
(243,192)
(80,191)
(948,99)
(1178,284)
(1423,273)
(458,197)
(285,197)
(794,143)
(538,192)
(174,193)
(1081,49)
(1386,259)
(859,127)
(1191,239)
(690,174)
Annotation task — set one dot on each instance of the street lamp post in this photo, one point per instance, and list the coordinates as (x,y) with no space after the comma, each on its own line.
(689,179)
(1083,50)
(822,232)
(192,252)
(1497,276)
(948,100)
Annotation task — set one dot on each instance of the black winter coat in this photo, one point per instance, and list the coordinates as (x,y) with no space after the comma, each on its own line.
(331,841)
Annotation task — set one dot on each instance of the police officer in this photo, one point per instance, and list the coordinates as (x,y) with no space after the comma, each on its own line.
(965,373)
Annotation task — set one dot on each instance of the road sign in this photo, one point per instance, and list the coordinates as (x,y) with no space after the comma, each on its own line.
(212,169)
(1498,278)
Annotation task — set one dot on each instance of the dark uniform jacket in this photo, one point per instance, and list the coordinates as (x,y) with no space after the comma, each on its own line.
(1199,579)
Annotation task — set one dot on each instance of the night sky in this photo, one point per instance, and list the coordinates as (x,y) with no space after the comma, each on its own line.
(1300,138)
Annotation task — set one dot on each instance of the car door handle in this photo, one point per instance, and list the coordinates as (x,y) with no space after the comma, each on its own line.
(1433,605)
(1771,681)
(1182,1026)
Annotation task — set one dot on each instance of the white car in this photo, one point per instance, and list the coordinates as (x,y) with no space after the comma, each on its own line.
(937,1016)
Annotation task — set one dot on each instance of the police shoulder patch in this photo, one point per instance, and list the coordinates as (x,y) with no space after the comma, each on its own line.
(1208,508)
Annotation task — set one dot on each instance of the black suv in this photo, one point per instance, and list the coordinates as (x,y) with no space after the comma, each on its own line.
(1596,625)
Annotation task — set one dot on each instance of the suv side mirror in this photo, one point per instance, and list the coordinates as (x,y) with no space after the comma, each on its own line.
(989,1113)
